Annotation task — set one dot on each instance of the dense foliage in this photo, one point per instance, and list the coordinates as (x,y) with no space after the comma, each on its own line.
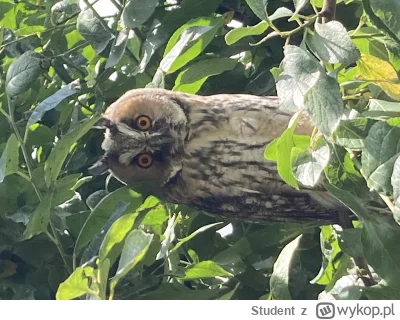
(66,234)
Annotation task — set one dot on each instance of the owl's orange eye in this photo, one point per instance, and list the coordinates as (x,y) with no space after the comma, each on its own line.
(143,123)
(144,160)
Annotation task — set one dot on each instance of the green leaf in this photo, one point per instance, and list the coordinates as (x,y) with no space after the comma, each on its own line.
(351,133)
(113,241)
(381,148)
(270,152)
(259,7)
(236,34)
(191,79)
(332,43)
(118,49)
(192,41)
(367,44)
(95,244)
(381,109)
(350,242)
(9,159)
(324,104)
(136,245)
(380,238)
(90,27)
(136,12)
(62,148)
(308,165)
(204,270)
(160,31)
(40,218)
(395,179)
(284,273)
(23,71)
(330,259)
(75,286)
(382,291)
(300,73)
(195,233)
(284,148)
(387,11)
(350,201)
(53,101)
(101,213)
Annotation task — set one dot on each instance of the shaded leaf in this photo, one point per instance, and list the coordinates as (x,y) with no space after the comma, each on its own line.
(136,12)
(62,148)
(53,101)
(40,218)
(351,133)
(98,239)
(100,214)
(9,159)
(283,270)
(24,71)
(387,12)
(259,7)
(90,27)
(380,238)
(118,49)
(381,148)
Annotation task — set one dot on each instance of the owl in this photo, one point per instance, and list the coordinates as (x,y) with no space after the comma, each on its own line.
(208,152)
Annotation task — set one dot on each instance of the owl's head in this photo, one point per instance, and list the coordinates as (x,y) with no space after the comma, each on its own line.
(145,133)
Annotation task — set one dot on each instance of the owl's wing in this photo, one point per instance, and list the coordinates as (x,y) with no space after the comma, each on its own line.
(224,170)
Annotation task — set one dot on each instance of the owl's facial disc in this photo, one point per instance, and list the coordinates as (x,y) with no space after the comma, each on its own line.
(143,140)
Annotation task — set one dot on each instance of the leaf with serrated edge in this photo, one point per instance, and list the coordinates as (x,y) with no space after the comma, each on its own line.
(332,43)
(300,73)
(324,104)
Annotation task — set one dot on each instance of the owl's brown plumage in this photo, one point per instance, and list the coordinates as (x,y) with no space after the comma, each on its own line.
(208,152)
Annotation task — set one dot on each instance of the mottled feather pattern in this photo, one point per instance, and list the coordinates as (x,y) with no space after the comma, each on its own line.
(208,152)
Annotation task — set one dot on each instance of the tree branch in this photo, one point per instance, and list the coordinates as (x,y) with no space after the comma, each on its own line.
(328,11)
